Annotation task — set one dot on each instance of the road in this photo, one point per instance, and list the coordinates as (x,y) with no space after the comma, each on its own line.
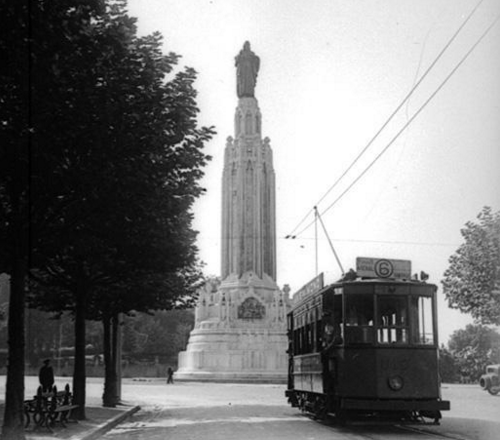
(189,411)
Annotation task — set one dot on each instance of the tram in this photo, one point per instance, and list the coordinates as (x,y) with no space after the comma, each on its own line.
(366,346)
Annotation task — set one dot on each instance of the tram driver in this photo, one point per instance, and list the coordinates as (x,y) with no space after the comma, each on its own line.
(332,335)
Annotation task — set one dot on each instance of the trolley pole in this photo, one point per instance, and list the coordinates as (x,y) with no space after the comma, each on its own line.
(316,238)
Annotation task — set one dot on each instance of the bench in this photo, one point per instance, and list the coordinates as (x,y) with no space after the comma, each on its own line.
(48,409)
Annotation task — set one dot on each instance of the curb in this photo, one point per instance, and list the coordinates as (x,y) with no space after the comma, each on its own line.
(107,426)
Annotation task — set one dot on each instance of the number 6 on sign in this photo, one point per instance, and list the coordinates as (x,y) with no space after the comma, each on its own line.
(384,268)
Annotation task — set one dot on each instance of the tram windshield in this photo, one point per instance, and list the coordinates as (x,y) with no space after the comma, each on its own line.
(392,319)
(422,320)
(359,321)
(395,317)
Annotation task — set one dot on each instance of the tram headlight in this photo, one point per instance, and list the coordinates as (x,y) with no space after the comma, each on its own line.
(395,383)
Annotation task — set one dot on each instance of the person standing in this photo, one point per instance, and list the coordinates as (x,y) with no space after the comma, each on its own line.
(170,375)
(46,376)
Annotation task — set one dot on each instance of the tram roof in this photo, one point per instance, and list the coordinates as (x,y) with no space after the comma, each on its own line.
(361,281)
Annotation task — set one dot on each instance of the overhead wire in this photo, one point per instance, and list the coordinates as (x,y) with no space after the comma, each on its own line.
(483,35)
(389,119)
(396,242)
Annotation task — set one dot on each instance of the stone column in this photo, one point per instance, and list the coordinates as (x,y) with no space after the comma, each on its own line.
(248,198)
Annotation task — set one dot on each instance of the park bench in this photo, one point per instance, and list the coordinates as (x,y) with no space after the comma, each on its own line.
(48,409)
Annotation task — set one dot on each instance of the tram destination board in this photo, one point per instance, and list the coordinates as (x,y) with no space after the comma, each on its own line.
(383,268)
(313,286)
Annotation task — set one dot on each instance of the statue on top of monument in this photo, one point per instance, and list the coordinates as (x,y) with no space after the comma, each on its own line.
(247,67)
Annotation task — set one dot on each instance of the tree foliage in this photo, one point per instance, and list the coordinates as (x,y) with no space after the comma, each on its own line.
(163,334)
(472,281)
(448,370)
(125,155)
(473,348)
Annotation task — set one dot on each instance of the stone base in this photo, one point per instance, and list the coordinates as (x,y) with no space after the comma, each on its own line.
(216,355)
(231,377)
(239,335)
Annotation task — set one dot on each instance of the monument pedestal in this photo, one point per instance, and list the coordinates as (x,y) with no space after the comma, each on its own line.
(239,334)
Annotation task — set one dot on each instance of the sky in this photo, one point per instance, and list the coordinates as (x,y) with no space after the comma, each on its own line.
(331,74)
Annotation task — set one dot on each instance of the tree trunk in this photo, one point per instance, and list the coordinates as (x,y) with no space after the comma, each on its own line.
(118,356)
(109,397)
(13,426)
(116,341)
(79,378)
(18,252)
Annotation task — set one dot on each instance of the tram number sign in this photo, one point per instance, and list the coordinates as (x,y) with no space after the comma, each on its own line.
(383,268)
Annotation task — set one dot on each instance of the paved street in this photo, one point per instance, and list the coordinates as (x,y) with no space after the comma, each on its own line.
(242,412)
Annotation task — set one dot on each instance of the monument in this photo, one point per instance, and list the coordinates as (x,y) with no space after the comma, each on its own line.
(240,321)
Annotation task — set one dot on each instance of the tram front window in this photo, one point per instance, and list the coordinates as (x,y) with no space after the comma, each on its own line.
(359,319)
(392,320)
(422,320)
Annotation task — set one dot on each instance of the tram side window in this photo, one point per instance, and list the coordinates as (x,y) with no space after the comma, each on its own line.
(338,321)
(303,340)
(313,332)
(422,320)
(308,338)
(295,342)
(392,320)
(319,339)
(312,329)
(333,324)
(306,334)
(359,319)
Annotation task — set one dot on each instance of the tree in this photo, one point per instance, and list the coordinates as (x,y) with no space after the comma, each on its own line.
(472,281)
(447,366)
(15,132)
(97,183)
(118,160)
(473,348)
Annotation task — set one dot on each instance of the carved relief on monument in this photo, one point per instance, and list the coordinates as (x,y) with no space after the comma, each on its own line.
(251,308)
(206,298)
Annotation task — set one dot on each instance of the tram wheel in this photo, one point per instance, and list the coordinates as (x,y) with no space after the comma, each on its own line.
(341,417)
(319,408)
(436,415)
(302,401)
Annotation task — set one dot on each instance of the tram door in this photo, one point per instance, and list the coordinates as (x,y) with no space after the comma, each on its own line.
(333,338)
(290,350)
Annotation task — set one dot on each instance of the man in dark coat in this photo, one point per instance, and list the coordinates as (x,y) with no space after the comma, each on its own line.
(46,376)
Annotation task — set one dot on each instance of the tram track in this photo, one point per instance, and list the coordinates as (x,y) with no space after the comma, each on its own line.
(379,430)
(429,432)
(359,430)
